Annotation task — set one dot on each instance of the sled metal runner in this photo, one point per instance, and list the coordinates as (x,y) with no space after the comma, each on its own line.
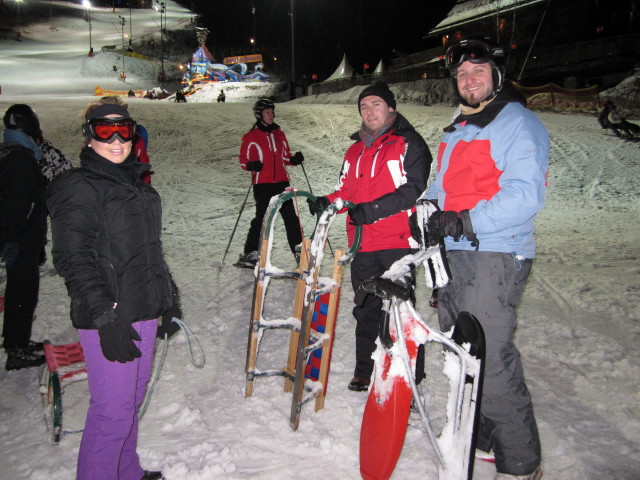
(394,389)
(306,343)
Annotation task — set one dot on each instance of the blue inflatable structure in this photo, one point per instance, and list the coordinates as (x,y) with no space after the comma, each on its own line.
(202,69)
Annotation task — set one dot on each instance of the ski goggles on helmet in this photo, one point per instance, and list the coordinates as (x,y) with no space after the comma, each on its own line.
(107,129)
(474,51)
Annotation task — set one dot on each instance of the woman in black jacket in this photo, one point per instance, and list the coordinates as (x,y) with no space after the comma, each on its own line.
(106,226)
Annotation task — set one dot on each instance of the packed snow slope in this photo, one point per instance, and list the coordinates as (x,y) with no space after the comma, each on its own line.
(578,330)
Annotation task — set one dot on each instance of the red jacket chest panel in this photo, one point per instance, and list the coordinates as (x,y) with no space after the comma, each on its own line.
(471,174)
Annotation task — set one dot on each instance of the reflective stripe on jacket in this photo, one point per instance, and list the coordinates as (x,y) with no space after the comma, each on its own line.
(269,147)
(389,176)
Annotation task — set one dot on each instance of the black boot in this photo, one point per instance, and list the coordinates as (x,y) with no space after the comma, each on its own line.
(359,384)
(18,358)
(34,347)
(152,475)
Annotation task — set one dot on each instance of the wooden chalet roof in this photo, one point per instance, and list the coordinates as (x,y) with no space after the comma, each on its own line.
(468,11)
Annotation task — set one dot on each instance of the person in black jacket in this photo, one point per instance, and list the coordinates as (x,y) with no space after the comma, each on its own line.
(106,226)
(23,227)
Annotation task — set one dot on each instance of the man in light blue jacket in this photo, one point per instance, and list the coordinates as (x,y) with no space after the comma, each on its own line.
(490,184)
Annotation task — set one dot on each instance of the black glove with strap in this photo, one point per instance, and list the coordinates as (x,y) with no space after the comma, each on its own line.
(467,229)
(297,159)
(116,338)
(10,253)
(444,224)
(360,215)
(451,224)
(167,325)
(319,205)
(254,166)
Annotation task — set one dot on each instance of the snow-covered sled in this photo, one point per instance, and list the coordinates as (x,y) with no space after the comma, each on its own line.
(310,340)
(394,391)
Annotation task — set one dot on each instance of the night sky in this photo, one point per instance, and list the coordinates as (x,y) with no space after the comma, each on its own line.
(366,30)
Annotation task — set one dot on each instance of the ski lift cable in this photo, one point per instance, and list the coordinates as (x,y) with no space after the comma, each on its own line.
(534,40)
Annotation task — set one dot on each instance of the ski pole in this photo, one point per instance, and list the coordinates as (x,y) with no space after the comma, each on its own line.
(236,225)
(311,192)
(307,178)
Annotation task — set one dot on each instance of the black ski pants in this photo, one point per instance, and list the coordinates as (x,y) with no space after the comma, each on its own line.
(366,265)
(262,193)
(489,285)
(21,297)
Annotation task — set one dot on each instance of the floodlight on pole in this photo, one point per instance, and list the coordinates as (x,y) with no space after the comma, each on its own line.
(122,22)
(160,7)
(87,5)
(293,41)
(18,34)
(253,40)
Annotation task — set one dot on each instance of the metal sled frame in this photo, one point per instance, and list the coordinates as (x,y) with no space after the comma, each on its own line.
(65,365)
(464,389)
(303,340)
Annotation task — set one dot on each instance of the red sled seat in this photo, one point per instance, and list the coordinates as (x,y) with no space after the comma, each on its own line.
(65,365)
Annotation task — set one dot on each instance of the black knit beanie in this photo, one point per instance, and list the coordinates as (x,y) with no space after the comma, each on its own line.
(379,89)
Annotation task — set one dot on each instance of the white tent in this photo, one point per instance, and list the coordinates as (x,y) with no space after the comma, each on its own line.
(344,70)
(380,68)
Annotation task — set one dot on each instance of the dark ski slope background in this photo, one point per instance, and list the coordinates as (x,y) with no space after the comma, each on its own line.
(578,329)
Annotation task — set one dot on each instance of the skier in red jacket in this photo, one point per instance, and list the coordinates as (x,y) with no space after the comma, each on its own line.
(265,153)
(384,172)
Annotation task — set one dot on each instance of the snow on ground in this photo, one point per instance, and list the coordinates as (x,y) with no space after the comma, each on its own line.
(578,322)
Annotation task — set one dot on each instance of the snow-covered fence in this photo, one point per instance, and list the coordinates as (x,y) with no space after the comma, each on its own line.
(552,97)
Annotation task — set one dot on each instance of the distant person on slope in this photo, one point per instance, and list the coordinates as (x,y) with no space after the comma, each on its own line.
(618,122)
(180,97)
(265,153)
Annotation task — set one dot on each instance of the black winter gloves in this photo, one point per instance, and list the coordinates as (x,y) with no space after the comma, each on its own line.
(116,338)
(9,253)
(254,166)
(361,214)
(451,224)
(167,325)
(297,159)
(444,224)
(318,206)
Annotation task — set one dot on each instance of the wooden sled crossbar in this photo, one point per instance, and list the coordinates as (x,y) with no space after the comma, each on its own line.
(315,308)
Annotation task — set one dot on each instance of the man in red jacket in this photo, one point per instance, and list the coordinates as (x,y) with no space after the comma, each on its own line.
(384,172)
(265,153)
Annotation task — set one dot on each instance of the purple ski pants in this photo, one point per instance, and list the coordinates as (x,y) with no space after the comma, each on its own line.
(110,437)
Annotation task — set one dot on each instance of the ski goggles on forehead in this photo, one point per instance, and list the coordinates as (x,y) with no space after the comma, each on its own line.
(108,129)
(474,52)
